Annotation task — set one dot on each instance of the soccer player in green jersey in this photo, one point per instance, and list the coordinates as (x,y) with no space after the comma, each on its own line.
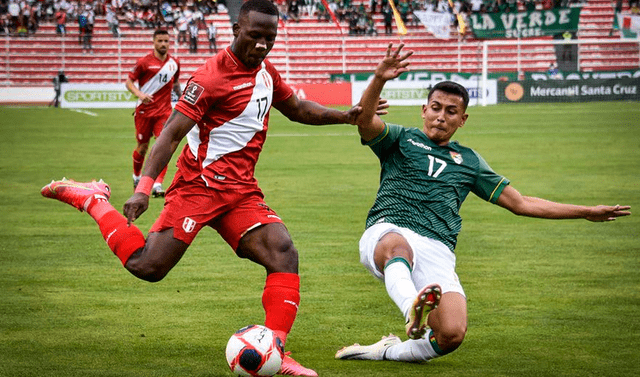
(413,225)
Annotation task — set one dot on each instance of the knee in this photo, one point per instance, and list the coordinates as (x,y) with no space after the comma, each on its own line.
(142,148)
(270,246)
(392,245)
(145,270)
(284,256)
(451,337)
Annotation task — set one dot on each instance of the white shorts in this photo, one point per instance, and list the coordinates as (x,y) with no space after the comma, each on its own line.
(433,262)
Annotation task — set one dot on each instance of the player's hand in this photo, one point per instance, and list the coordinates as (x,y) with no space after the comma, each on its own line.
(146,98)
(135,206)
(393,64)
(608,213)
(382,107)
(352,113)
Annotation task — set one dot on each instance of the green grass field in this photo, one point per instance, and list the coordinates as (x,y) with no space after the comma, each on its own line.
(546,298)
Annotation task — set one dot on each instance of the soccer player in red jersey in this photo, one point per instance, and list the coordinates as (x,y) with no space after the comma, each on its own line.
(157,75)
(224,114)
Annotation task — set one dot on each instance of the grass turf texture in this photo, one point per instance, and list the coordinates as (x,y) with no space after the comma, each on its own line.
(546,298)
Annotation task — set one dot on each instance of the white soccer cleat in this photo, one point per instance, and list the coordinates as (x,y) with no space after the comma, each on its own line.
(428,299)
(157,191)
(375,351)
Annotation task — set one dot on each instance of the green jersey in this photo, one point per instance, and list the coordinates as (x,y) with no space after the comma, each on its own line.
(423,185)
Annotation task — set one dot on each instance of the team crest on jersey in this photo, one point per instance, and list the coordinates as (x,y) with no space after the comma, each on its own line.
(192,93)
(457,157)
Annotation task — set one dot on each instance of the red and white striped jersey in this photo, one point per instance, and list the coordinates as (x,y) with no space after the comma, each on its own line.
(155,77)
(230,104)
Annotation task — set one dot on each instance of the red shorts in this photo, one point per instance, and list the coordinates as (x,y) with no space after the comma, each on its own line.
(149,125)
(189,206)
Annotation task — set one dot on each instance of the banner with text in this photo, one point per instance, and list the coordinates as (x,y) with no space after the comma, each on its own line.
(414,93)
(632,73)
(623,89)
(87,96)
(426,76)
(525,24)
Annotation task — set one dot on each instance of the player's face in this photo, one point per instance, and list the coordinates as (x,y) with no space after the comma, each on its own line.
(443,115)
(254,36)
(161,44)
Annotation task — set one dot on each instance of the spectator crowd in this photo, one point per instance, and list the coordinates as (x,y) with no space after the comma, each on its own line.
(188,17)
(360,15)
(22,17)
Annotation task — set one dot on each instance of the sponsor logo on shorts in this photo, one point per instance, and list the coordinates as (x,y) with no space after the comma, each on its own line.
(188,225)
(192,93)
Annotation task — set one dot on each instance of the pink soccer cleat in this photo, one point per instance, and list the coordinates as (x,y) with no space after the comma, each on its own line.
(76,193)
(428,299)
(290,367)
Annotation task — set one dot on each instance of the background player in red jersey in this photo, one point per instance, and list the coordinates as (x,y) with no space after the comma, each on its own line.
(157,75)
(224,113)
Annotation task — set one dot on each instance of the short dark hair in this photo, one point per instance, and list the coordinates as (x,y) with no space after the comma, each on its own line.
(160,32)
(261,6)
(452,88)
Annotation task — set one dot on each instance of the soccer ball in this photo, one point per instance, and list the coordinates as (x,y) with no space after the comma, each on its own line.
(254,351)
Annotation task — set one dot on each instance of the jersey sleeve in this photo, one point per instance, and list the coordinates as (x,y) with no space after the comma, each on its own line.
(137,70)
(381,144)
(197,98)
(489,185)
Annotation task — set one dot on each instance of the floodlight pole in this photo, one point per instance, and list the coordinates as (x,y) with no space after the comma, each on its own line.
(7,49)
(485,71)
(344,53)
(286,55)
(64,37)
(459,53)
(519,63)
(119,58)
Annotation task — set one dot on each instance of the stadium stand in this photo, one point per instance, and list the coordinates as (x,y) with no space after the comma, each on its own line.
(308,51)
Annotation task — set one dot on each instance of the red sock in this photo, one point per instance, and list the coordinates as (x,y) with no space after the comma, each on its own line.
(138,160)
(280,300)
(123,240)
(160,177)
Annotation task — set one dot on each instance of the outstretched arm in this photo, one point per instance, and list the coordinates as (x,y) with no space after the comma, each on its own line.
(393,64)
(177,126)
(530,206)
(309,112)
